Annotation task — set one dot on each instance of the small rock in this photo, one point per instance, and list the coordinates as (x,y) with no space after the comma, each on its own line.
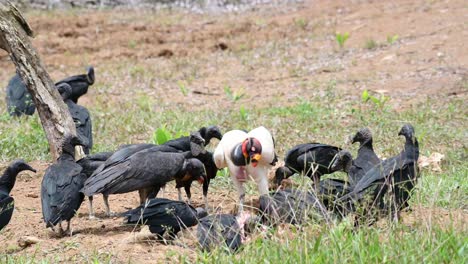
(26,241)
(32,195)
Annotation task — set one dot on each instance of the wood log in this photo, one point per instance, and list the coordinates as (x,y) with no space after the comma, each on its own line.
(54,115)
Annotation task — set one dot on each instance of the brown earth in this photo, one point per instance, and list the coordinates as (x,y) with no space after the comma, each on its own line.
(276,55)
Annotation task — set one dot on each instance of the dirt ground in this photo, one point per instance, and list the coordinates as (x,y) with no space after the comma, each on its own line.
(429,58)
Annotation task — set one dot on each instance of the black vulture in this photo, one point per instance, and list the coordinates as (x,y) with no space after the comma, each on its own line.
(79,84)
(310,159)
(206,157)
(7,182)
(147,168)
(291,206)
(366,157)
(80,116)
(218,230)
(184,144)
(18,98)
(196,146)
(61,185)
(164,215)
(394,178)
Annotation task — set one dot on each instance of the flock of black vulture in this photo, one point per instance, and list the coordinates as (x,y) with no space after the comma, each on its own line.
(373,188)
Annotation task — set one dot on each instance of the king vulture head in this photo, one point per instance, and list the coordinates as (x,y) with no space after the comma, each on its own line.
(247,152)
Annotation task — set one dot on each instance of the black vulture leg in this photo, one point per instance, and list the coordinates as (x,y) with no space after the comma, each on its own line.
(90,207)
(106,203)
(179,194)
(188,193)
(206,183)
(60,230)
(69,231)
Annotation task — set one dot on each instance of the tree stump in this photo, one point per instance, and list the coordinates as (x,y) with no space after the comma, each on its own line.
(54,115)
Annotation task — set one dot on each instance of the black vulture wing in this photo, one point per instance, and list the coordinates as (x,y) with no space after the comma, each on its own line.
(143,169)
(216,230)
(7,206)
(60,191)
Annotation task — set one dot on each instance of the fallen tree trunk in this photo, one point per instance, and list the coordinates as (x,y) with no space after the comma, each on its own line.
(54,115)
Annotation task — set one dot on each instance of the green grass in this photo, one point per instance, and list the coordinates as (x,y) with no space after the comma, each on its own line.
(327,117)
(341,244)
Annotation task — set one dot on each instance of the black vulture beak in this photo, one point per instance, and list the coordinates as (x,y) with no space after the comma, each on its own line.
(30,169)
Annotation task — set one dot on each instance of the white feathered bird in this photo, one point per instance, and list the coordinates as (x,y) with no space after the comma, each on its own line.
(247,156)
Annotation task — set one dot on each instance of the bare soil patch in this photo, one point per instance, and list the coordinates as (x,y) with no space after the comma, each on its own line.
(276,57)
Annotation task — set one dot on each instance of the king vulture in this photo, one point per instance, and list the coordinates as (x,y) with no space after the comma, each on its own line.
(247,156)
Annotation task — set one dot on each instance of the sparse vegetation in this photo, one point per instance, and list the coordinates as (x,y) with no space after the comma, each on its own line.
(289,88)
(341,38)
(392,39)
(371,44)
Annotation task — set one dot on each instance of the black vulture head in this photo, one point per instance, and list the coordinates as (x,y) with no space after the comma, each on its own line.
(20,165)
(407,131)
(281,174)
(252,150)
(211,132)
(196,170)
(343,161)
(8,179)
(65,90)
(201,212)
(90,75)
(69,143)
(362,136)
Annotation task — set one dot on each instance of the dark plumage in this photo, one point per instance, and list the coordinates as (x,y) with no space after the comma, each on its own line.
(60,190)
(191,143)
(310,159)
(332,189)
(394,177)
(80,116)
(366,158)
(90,163)
(144,169)
(7,182)
(163,215)
(206,157)
(291,206)
(79,84)
(18,98)
(218,230)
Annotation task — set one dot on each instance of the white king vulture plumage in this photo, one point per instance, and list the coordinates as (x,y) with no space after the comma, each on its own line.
(247,156)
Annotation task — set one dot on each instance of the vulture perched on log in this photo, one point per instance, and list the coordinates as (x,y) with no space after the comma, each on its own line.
(150,167)
(79,84)
(18,98)
(247,156)
(80,116)
(310,159)
(7,182)
(61,185)
(164,215)
(394,178)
